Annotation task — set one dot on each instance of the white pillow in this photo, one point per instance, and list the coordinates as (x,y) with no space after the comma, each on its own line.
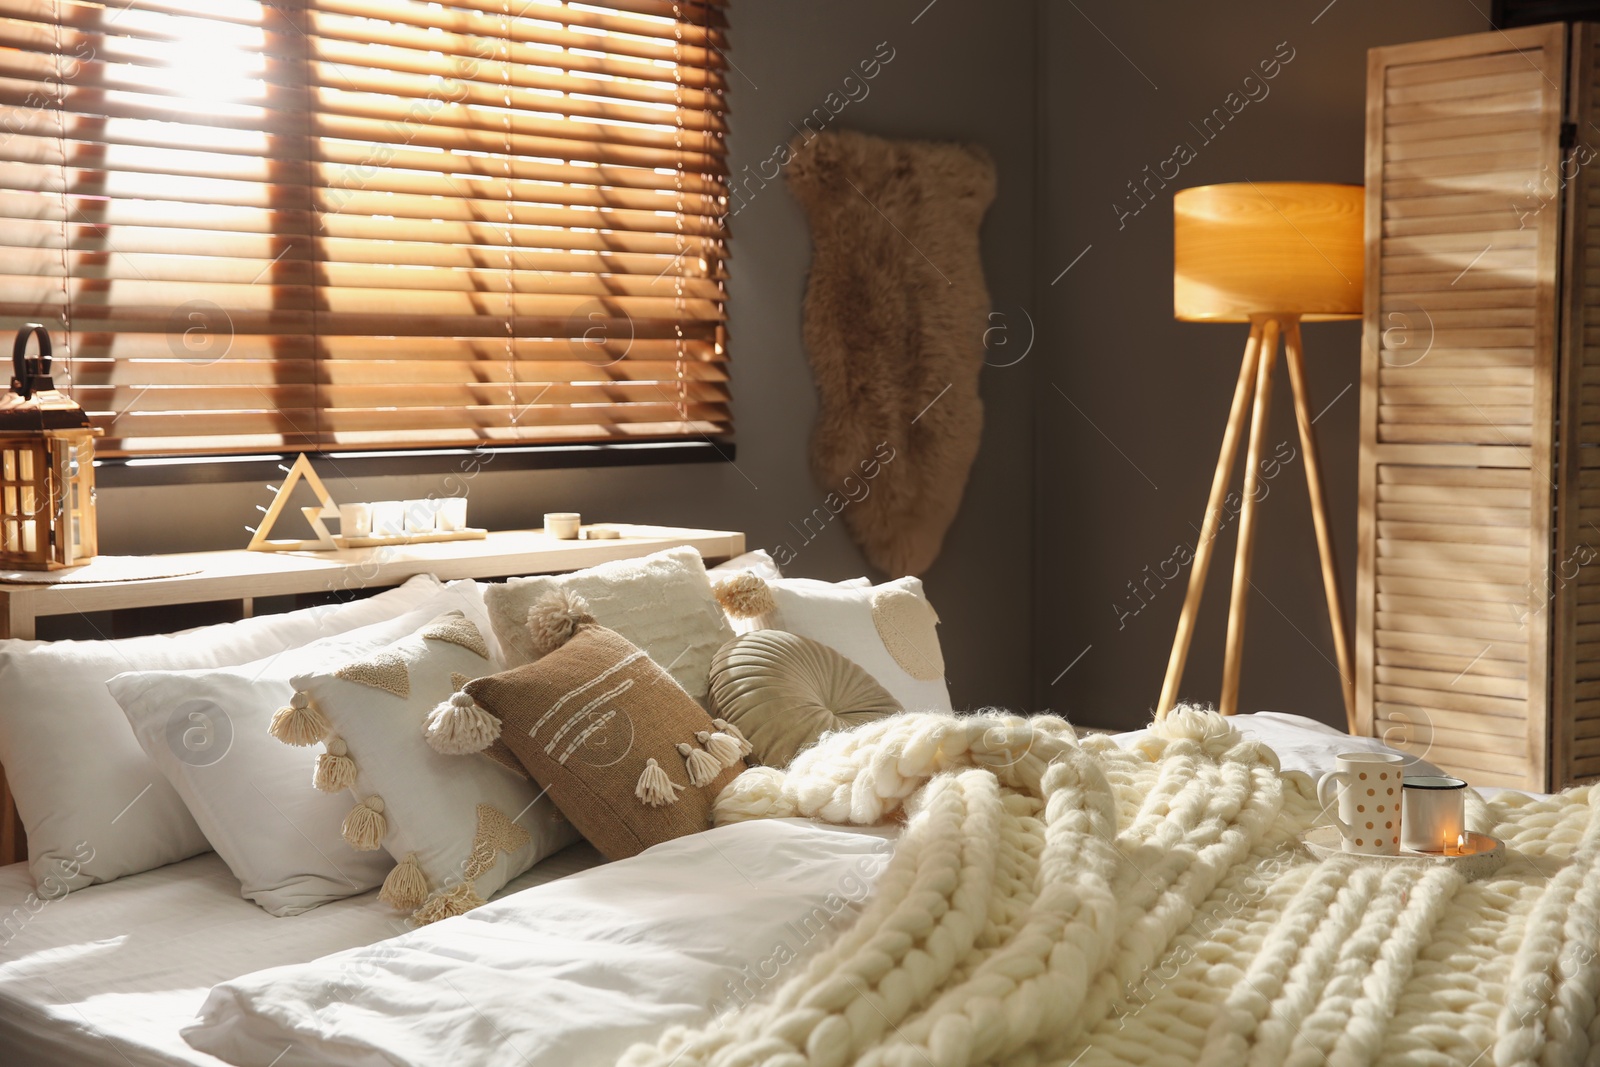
(757,561)
(889,630)
(82,784)
(460,829)
(251,796)
(662,603)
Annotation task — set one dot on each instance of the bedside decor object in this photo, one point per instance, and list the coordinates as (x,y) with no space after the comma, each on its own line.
(1270,254)
(894,323)
(562,524)
(1433,813)
(47,499)
(1368,786)
(375,525)
(355,520)
(452,514)
(601,533)
(327,509)
(1478,562)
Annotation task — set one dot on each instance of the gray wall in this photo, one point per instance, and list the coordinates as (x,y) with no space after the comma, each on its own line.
(1124,474)
(790,56)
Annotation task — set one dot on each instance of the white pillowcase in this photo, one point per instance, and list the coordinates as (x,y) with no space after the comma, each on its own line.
(83,786)
(889,630)
(662,603)
(757,561)
(459,828)
(207,730)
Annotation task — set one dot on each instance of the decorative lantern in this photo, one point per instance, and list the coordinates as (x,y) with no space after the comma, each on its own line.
(46,467)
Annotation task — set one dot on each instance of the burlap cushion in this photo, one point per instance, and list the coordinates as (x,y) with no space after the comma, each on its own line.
(586,720)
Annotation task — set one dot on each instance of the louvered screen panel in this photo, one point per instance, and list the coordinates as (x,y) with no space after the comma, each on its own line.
(1458,354)
(1575,637)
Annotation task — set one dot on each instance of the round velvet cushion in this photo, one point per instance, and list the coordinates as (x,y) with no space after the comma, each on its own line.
(784,691)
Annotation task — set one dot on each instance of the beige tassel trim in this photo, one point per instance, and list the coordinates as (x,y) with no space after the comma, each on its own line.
(299,724)
(405,889)
(458,726)
(745,747)
(447,904)
(703,766)
(555,619)
(723,748)
(336,771)
(745,596)
(655,788)
(365,826)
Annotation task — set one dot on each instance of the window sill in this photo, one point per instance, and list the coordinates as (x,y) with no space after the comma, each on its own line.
(197,470)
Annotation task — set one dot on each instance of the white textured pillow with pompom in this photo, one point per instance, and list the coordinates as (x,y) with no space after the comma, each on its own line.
(662,603)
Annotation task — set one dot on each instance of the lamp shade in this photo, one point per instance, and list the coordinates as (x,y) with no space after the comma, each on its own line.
(1265,248)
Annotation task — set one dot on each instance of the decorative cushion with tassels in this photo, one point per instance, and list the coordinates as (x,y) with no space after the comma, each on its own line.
(621,748)
(459,829)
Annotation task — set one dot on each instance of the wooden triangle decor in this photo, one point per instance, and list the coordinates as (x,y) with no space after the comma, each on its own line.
(327,510)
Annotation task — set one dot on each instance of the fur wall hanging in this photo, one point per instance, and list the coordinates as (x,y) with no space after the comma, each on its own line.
(895,311)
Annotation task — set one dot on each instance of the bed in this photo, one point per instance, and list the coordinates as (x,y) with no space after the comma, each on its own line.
(612,953)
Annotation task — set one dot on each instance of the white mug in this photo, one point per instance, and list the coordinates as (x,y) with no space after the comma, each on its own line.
(1369,802)
(1434,813)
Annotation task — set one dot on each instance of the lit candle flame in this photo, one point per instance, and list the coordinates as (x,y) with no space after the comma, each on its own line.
(1461,844)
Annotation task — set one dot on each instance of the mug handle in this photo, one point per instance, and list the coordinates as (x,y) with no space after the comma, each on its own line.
(1329,804)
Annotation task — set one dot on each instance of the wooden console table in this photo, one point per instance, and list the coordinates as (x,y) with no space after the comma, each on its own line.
(242,576)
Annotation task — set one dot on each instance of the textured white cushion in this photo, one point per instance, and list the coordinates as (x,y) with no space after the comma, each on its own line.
(82,784)
(435,809)
(207,730)
(662,603)
(889,630)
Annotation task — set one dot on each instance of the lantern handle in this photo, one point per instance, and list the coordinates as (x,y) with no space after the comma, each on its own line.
(22,381)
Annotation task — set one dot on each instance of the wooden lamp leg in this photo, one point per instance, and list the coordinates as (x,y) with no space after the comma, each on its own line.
(1212,521)
(1293,359)
(1233,656)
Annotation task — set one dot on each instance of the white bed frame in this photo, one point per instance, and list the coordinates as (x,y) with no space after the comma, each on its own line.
(242,577)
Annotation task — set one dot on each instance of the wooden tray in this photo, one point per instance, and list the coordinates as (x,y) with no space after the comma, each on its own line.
(430,537)
(1486,855)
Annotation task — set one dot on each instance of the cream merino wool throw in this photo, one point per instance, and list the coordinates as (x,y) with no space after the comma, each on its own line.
(1061,902)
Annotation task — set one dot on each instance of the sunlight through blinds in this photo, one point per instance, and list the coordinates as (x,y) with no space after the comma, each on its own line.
(333,224)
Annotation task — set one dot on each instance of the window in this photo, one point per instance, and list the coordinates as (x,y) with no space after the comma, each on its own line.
(325,225)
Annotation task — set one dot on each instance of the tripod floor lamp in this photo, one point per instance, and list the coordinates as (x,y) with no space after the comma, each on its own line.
(1272,254)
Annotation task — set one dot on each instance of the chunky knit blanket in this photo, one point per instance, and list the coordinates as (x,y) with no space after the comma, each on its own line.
(1056,901)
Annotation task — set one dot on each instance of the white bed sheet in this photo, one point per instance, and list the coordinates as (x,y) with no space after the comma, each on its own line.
(108,975)
(571,973)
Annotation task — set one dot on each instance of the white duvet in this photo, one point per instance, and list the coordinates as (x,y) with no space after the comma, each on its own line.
(567,974)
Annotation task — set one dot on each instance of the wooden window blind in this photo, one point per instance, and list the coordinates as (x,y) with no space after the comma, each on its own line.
(373,224)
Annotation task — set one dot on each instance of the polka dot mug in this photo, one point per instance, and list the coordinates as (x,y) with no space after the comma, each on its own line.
(1369,801)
